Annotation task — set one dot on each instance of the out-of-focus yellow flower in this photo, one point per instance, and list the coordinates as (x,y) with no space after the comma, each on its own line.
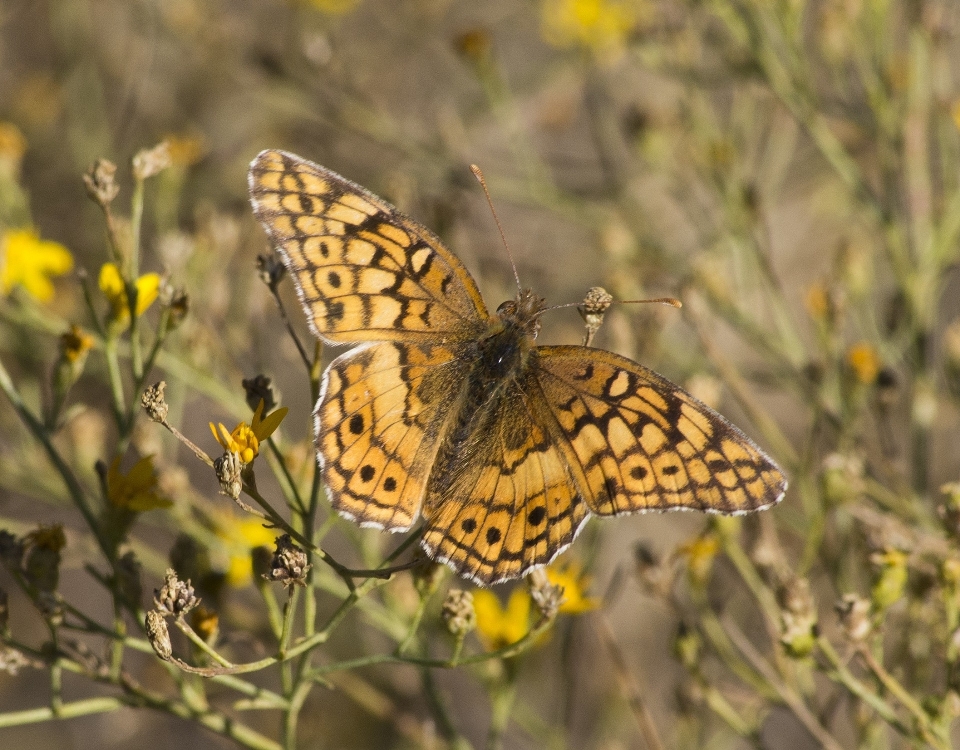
(245,439)
(137,489)
(75,343)
(12,144)
(500,626)
(334,7)
(891,579)
(818,302)
(205,622)
(185,150)
(242,536)
(864,362)
(575,584)
(601,26)
(28,261)
(700,554)
(111,284)
(955,113)
(48,537)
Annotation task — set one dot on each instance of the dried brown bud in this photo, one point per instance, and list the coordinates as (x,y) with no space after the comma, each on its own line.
(154,403)
(158,634)
(151,161)
(229,468)
(271,269)
(427,575)
(101,183)
(175,597)
(289,565)
(545,595)
(854,613)
(260,388)
(458,613)
(41,563)
(799,617)
(592,310)
(12,661)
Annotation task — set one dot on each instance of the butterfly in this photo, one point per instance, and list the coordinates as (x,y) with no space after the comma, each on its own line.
(446,413)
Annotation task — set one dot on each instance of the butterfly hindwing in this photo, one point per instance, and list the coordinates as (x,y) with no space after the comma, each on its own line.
(378,423)
(506,502)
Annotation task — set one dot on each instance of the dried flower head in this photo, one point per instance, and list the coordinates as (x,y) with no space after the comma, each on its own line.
(289,565)
(154,403)
(175,598)
(229,470)
(798,617)
(592,310)
(548,596)
(151,161)
(101,184)
(271,270)
(854,613)
(458,613)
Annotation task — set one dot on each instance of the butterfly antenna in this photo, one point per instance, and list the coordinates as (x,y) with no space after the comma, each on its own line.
(483,183)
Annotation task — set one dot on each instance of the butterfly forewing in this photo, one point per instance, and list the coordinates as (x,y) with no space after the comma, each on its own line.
(638,442)
(363,270)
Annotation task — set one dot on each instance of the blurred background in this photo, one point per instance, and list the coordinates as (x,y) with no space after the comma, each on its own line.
(787,168)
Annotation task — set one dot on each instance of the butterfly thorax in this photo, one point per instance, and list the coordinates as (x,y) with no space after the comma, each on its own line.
(497,363)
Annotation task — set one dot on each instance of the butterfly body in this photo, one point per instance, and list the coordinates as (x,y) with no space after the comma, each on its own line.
(447,413)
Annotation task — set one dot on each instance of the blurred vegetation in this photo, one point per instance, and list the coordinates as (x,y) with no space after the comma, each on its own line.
(789,168)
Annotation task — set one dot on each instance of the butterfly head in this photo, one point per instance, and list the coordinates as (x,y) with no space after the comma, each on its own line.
(523,313)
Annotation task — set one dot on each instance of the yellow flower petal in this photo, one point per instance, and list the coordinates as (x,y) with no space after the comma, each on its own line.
(268,426)
(574,585)
(135,490)
(28,261)
(500,626)
(113,288)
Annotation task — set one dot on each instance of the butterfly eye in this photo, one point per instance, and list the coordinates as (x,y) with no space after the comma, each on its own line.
(507,308)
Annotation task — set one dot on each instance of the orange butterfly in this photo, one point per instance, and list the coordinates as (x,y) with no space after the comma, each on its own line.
(444,411)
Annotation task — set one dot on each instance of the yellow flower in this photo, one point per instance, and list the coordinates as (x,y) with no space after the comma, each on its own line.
(500,626)
(75,343)
(891,579)
(12,144)
(111,284)
(185,150)
(27,260)
(48,537)
(245,440)
(135,490)
(242,536)
(864,362)
(818,301)
(602,26)
(700,554)
(955,113)
(570,577)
